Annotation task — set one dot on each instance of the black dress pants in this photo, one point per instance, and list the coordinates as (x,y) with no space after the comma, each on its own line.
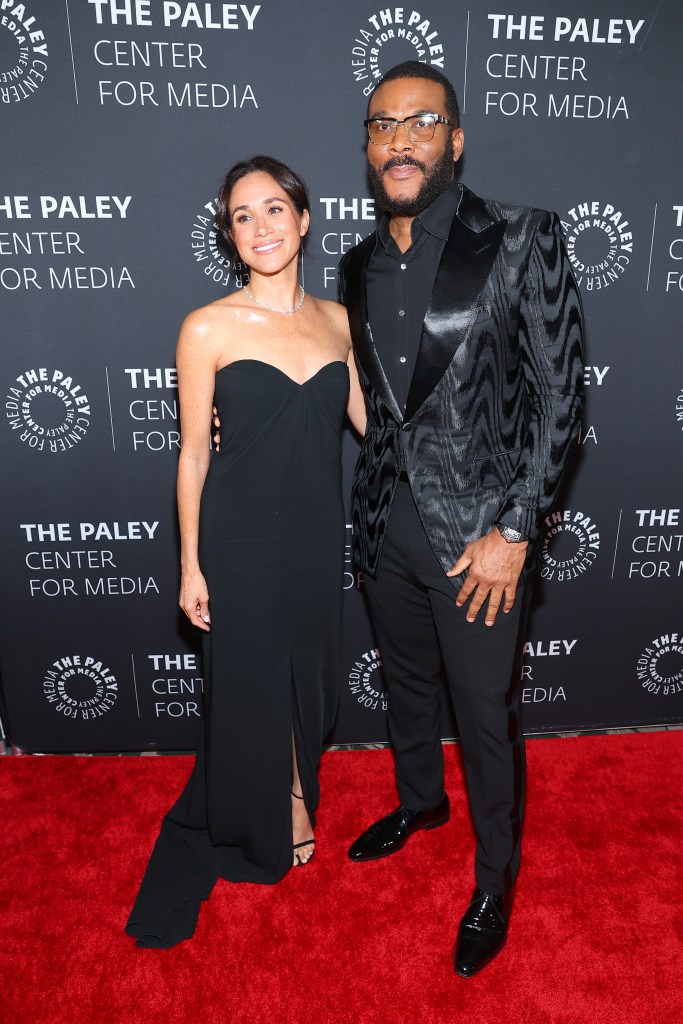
(421,632)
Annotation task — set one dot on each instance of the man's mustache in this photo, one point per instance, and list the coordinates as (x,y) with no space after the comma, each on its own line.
(397,161)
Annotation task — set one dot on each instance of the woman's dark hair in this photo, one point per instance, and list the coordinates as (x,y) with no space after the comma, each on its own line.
(288,181)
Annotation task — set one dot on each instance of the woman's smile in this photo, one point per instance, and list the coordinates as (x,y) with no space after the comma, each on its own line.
(267,247)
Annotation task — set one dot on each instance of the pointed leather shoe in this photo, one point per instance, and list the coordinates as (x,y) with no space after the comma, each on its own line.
(391,833)
(482,932)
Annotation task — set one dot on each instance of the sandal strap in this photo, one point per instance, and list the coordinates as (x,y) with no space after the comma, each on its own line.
(296,795)
(306,842)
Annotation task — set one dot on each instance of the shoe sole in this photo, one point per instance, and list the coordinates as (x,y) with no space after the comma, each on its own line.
(423,828)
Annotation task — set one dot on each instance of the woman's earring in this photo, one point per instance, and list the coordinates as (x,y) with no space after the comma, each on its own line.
(303,280)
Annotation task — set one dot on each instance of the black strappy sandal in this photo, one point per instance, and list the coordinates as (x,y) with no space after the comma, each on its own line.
(307,842)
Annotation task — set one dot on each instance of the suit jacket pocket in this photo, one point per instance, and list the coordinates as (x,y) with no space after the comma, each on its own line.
(496,469)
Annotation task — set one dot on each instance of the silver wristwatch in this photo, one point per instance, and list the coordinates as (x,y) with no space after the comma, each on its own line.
(510,535)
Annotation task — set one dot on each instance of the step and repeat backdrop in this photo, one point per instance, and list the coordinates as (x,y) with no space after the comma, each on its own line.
(119,119)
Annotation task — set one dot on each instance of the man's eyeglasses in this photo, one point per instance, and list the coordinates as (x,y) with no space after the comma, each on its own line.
(419,128)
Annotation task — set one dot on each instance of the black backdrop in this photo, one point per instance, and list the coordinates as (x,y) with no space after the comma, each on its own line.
(119,119)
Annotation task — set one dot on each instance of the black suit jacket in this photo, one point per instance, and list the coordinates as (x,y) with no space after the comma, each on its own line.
(496,396)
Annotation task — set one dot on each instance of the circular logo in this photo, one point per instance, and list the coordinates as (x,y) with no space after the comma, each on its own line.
(23,52)
(660,666)
(47,410)
(390,36)
(365,682)
(570,545)
(80,687)
(599,243)
(210,252)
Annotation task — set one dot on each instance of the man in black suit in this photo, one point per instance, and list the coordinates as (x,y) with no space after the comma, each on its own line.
(466,323)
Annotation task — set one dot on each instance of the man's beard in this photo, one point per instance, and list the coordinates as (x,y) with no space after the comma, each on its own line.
(433,184)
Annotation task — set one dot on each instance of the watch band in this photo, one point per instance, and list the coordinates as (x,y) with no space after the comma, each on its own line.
(510,535)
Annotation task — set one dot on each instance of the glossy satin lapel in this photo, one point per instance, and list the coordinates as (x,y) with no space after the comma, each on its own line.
(357,306)
(465,265)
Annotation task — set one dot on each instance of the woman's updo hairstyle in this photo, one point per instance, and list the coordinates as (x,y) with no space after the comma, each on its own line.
(288,181)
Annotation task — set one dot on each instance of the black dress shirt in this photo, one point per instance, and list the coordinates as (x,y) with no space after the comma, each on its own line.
(399,286)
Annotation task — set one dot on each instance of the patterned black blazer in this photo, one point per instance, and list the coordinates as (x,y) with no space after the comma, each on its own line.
(495,400)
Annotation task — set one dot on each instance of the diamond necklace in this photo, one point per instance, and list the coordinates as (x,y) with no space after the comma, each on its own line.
(272,309)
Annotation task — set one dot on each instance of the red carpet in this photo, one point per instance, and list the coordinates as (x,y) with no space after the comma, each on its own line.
(596,935)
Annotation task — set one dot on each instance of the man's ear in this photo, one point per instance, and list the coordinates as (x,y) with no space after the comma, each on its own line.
(457,142)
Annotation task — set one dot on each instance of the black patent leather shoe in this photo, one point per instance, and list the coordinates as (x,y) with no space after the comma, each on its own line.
(482,932)
(390,834)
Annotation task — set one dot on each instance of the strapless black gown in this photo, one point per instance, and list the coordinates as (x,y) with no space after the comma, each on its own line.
(271,549)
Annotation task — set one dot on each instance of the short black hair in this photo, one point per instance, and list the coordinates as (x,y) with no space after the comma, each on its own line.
(287,179)
(416,69)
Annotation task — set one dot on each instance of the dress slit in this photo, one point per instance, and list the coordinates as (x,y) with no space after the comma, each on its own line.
(307,771)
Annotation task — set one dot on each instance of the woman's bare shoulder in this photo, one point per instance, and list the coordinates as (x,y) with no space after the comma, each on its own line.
(330,307)
(211,327)
(214,316)
(202,336)
(335,313)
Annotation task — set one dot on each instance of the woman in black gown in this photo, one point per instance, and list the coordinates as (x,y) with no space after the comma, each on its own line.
(262,541)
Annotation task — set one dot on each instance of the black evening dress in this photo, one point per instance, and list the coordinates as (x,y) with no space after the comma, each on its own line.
(271,548)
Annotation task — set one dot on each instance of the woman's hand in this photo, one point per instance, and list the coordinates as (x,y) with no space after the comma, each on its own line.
(217,426)
(194,599)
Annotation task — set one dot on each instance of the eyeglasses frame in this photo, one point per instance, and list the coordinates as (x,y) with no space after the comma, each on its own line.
(438,119)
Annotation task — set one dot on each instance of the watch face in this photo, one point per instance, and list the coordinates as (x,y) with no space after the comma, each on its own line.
(514,536)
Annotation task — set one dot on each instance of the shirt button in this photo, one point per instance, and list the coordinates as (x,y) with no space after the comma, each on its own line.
(402,359)
(401,312)
(404,266)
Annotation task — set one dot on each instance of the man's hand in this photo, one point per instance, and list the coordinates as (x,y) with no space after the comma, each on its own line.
(217,425)
(494,570)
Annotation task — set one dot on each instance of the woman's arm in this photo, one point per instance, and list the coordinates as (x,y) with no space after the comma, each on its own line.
(196,363)
(355,408)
